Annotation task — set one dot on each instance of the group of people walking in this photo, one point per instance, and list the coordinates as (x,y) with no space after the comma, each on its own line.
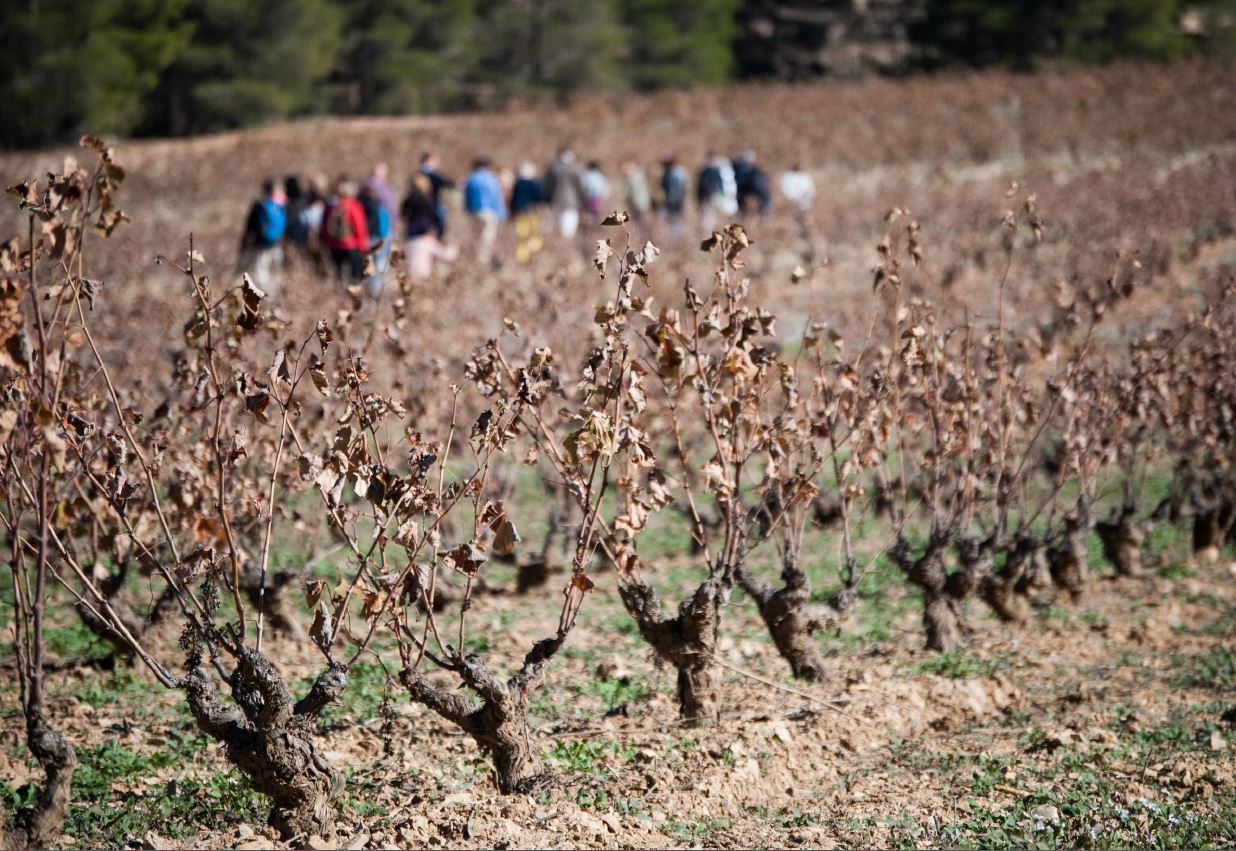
(348,228)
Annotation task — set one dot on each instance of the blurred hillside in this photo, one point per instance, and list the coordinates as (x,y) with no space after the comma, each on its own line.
(179,67)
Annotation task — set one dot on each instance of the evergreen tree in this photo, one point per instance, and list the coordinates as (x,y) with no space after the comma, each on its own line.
(548,46)
(406,55)
(1019,33)
(249,61)
(71,66)
(671,43)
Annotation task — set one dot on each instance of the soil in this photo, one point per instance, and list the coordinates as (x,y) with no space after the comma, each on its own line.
(875,754)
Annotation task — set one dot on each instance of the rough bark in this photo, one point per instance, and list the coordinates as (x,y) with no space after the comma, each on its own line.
(1068,559)
(1006,589)
(686,641)
(1122,537)
(268,738)
(280,610)
(1210,528)
(499,723)
(941,612)
(39,825)
(792,619)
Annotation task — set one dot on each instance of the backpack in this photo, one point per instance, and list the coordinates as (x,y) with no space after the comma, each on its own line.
(272,221)
(339,224)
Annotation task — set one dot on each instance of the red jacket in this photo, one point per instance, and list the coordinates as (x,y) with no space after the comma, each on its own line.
(344,227)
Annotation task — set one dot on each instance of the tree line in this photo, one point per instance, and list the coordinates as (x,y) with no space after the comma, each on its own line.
(176,67)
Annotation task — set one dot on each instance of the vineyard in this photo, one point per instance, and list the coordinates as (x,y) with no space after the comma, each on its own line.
(910,527)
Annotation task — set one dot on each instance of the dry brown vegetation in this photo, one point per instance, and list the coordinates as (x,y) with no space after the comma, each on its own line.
(661,529)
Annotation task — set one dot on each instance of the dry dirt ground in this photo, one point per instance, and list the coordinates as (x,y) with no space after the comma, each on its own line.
(1104,723)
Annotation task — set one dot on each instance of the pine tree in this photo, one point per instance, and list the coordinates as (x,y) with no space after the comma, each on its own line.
(406,55)
(70,66)
(671,43)
(249,61)
(548,46)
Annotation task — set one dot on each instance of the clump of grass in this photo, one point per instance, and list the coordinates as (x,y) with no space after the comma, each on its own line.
(957,666)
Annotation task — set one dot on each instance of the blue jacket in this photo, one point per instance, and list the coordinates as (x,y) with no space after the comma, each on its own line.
(526,195)
(267,221)
(483,193)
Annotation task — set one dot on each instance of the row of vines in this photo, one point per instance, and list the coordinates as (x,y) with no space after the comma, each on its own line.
(978,458)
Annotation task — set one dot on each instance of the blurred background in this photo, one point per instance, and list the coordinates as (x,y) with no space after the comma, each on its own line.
(180,67)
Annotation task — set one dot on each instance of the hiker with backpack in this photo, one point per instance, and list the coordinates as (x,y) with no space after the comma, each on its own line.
(261,251)
(345,232)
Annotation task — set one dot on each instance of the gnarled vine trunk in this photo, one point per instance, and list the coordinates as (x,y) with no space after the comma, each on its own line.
(1122,537)
(792,619)
(1211,525)
(1068,559)
(267,737)
(499,723)
(687,641)
(941,612)
(38,825)
(1006,589)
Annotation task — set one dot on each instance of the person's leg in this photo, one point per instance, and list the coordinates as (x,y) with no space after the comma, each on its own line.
(489,232)
(339,260)
(420,257)
(568,222)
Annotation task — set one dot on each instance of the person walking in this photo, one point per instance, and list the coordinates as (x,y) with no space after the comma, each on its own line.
(798,187)
(563,190)
(753,185)
(716,190)
(345,232)
(674,181)
(438,182)
(420,217)
(379,186)
(483,201)
(526,200)
(596,189)
(635,186)
(261,254)
(708,191)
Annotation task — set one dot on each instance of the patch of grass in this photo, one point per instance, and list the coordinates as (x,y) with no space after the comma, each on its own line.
(180,809)
(75,641)
(587,756)
(782,817)
(695,830)
(1215,669)
(591,798)
(959,665)
(476,643)
(1176,570)
(1095,619)
(1054,612)
(1078,799)
(181,812)
(119,686)
(615,692)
